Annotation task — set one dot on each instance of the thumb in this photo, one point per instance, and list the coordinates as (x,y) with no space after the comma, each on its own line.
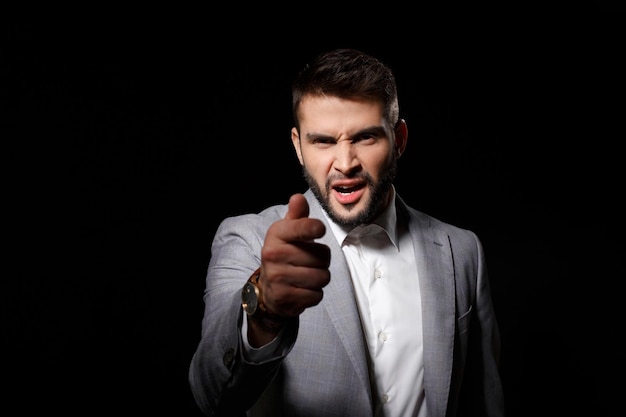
(298,207)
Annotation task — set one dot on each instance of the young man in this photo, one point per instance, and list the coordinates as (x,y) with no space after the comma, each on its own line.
(345,301)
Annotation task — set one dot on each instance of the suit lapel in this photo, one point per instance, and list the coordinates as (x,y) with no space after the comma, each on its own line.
(339,301)
(437,286)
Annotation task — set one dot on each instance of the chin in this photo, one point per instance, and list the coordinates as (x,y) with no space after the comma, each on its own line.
(348,214)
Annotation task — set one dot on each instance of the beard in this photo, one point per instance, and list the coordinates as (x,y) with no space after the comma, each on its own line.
(379,191)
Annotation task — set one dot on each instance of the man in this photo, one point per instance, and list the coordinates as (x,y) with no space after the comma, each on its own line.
(345,301)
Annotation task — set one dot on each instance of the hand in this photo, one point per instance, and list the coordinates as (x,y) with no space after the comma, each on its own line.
(294,268)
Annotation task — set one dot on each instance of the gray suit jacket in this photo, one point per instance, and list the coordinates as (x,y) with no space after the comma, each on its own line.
(324,369)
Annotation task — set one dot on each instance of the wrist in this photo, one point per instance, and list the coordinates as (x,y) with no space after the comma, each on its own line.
(265,321)
(253,304)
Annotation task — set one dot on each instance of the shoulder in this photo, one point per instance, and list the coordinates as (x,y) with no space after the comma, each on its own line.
(253,221)
(260,221)
(426,222)
(239,238)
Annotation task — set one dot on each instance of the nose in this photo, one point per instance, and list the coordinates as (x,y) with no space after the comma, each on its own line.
(346,159)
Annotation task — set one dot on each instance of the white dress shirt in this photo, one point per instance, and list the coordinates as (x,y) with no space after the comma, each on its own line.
(384,274)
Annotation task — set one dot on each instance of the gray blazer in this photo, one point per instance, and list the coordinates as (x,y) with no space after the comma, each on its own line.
(324,369)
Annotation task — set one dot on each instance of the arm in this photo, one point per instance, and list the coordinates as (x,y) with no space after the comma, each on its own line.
(222,380)
(294,269)
(482,386)
(490,342)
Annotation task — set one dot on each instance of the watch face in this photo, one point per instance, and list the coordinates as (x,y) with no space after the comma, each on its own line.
(249,298)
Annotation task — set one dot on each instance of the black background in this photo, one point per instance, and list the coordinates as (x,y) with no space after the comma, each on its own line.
(127,140)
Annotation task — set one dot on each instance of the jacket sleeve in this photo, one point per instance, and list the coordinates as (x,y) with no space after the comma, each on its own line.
(481,383)
(490,342)
(222,380)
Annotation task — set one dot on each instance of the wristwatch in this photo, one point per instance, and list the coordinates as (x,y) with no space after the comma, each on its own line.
(252,303)
(251,299)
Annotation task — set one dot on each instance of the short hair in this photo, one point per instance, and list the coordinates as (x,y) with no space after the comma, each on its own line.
(347,74)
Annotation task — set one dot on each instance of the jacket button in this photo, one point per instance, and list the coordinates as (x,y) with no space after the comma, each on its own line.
(229,357)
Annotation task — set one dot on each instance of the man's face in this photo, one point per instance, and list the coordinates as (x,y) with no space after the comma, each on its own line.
(348,156)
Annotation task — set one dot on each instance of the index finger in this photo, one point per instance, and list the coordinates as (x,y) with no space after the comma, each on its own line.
(298,207)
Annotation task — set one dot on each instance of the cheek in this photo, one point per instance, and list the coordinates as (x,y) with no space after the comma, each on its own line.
(317,166)
(377,165)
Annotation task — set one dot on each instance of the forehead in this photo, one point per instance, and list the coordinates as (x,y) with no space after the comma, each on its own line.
(332,111)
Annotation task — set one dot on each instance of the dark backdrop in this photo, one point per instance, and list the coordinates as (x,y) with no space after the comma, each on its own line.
(128,140)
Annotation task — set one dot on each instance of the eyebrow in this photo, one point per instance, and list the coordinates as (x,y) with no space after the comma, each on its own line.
(377,131)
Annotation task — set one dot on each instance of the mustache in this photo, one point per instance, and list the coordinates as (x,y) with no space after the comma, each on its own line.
(364,176)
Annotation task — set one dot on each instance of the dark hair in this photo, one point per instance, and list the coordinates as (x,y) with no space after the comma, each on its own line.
(348,74)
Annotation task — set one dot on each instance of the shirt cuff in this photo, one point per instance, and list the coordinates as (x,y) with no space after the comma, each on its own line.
(279,346)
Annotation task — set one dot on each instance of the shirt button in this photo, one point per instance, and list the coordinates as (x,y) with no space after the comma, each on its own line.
(382,336)
(378,274)
(385,398)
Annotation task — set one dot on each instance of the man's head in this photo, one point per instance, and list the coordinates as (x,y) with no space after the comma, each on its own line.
(348,74)
(347,133)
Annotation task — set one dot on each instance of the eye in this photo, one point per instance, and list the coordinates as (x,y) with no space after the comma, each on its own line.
(365,138)
(323,141)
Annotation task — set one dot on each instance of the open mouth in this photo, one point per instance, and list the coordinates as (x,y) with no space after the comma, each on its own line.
(349,194)
(348,190)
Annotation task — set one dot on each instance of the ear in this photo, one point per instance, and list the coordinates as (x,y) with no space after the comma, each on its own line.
(295,141)
(402,135)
